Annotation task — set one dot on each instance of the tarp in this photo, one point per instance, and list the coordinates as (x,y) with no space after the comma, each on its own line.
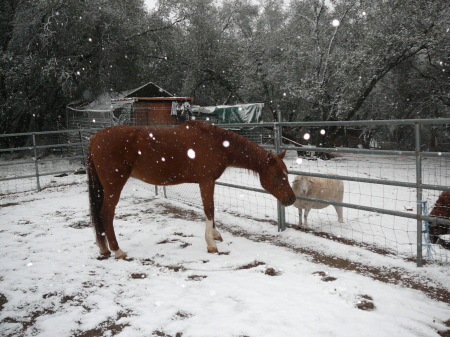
(230,114)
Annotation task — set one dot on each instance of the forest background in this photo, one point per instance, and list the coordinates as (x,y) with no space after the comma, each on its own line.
(308,59)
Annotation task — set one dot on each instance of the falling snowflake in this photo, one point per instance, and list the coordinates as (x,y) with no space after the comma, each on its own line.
(335,23)
(226,143)
(191,153)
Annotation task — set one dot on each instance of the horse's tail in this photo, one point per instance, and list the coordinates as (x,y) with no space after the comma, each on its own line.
(95,194)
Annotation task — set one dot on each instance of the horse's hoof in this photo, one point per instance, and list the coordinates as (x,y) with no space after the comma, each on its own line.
(213,250)
(120,254)
(105,253)
(218,238)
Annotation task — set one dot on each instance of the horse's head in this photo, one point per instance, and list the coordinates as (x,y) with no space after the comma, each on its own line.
(274,179)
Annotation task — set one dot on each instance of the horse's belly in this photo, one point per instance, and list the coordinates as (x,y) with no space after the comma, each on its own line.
(161,177)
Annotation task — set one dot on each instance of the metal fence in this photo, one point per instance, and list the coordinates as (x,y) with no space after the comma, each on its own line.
(59,156)
(417,154)
(36,160)
(427,172)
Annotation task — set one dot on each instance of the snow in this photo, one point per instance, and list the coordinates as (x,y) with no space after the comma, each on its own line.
(56,285)
(335,23)
(191,154)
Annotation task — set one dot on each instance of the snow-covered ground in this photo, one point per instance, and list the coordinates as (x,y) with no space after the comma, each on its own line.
(264,282)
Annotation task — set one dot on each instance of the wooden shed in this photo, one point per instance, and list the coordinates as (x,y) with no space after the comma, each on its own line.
(152,105)
(160,110)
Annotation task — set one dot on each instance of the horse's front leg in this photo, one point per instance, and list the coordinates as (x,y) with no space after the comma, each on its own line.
(211,233)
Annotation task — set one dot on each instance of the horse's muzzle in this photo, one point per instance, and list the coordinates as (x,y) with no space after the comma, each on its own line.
(288,201)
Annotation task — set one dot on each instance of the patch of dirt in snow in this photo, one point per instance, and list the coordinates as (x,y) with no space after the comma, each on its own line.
(9,204)
(111,326)
(445,333)
(3,301)
(196,277)
(160,333)
(325,277)
(251,265)
(365,303)
(80,224)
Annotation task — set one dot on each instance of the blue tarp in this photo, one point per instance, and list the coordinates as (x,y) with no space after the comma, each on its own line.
(230,114)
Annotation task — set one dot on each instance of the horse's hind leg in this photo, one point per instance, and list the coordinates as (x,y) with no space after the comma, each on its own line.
(101,242)
(107,213)
(111,198)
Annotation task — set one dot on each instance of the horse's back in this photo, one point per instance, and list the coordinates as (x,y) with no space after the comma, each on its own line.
(113,142)
(111,136)
(161,156)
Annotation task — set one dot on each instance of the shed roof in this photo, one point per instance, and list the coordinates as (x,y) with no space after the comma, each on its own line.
(148,90)
(112,99)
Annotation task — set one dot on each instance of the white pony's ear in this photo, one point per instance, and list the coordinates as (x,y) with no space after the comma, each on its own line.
(311,181)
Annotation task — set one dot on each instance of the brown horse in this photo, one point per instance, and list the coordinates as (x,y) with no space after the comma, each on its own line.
(441,210)
(194,152)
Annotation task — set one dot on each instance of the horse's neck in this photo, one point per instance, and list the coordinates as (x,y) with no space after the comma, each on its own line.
(249,156)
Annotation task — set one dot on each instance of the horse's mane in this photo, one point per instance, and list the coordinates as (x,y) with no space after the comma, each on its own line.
(254,153)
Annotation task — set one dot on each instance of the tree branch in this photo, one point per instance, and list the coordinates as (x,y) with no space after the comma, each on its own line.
(160,29)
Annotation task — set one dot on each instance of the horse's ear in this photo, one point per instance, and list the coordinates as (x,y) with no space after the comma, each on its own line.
(282,154)
(270,157)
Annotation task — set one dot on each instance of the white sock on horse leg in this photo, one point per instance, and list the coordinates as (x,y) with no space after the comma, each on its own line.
(209,237)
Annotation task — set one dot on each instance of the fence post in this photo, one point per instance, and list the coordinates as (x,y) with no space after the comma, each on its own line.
(419,194)
(280,209)
(82,148)
(36,166)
